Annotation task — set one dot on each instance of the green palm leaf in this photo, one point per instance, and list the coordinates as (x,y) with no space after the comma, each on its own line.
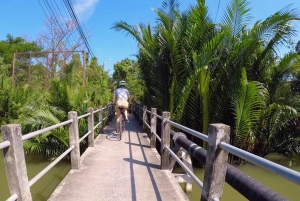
(249,100)
(236,16)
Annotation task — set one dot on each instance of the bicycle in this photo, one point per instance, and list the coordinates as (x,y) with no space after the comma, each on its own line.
(121,121)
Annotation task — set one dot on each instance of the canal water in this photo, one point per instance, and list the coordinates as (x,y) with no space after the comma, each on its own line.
(287,189)
(43,188)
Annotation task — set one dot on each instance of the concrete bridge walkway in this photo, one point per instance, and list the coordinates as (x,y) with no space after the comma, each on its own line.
(120,170)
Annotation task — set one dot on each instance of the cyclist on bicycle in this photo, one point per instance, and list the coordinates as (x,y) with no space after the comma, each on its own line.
(121,99)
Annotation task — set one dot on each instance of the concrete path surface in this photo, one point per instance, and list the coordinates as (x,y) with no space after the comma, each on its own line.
(123,170)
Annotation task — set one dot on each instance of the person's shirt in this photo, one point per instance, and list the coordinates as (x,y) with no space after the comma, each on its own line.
(122,94)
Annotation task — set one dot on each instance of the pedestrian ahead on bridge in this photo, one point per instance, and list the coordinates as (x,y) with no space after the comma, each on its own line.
(121,99)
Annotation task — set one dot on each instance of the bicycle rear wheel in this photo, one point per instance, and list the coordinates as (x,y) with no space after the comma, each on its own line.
(121,125)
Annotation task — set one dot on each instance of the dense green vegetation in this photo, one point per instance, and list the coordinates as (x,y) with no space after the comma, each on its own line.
(228,71)
(48,96)
(129,71)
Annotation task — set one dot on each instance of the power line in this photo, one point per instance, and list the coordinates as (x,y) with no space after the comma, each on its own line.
(52,17)
(83,24)
(73,15)
(57,22)
(67,34)
(54,14)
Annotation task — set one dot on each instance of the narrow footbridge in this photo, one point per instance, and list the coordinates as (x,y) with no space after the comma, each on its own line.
(132,169)
(120,170)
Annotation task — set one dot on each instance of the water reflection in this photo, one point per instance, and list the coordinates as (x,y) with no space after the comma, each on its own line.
(43,188)
(275,182)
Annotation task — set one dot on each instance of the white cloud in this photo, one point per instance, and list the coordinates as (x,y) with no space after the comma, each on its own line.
(85,8)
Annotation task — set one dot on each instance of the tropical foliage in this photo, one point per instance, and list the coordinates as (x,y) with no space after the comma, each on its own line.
(64,95)
(37,105)
(228,71)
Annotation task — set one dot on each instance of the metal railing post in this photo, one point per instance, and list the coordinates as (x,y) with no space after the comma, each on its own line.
(100,120)
(74,140)
(165,141)
(91,127)
(144,117)
(15,164)
(216,162)
(153,127)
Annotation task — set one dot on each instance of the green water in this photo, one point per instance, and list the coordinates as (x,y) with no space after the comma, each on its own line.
(287,189)
(44,187)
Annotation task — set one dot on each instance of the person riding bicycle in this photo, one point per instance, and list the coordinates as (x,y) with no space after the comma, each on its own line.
(121,99)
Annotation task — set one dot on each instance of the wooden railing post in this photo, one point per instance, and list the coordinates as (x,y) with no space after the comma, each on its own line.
(15,164)
(153,127)
(144,117)
(74,140)
(100,120)
(216,162)
(91,127)
(165,141)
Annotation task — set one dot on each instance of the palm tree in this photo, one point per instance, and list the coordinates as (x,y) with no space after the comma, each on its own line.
(226,68)
(280,112)
(51,110)
(249,100)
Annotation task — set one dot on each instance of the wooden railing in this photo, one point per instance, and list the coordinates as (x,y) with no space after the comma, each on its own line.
(12,145)
(215,158)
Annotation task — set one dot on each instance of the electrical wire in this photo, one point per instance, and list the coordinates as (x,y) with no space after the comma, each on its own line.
(81,33)
(68,33)
(52,11)
(82,24)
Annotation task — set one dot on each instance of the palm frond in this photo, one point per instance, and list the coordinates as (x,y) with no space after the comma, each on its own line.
(249,101)
(236,17)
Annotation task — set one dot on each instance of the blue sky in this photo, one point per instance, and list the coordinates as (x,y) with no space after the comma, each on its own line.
(26,19)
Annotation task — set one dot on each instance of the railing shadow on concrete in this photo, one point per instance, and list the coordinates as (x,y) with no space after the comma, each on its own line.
(215,158)
(14,157)
(145,163)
